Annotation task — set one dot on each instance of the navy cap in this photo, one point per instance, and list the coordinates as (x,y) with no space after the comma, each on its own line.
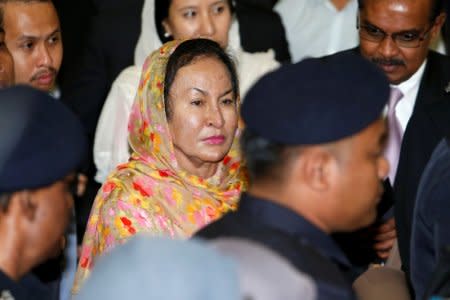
(41,140)
(317,100)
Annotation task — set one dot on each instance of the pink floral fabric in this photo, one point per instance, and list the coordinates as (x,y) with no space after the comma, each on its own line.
(151,193)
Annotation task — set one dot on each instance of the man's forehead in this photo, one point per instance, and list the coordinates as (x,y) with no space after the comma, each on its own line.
(414,11)
(34,13)
(31,22)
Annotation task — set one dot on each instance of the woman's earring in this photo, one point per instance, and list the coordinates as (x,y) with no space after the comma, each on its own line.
(166,34)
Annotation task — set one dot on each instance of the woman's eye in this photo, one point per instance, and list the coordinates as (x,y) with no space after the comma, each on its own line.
(189,13)
(228,101)
(196,102)
(218,9)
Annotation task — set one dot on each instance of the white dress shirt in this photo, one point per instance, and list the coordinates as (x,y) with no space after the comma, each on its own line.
(316,28)
(409,88)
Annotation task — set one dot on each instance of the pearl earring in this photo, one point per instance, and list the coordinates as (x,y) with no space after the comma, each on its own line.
(166,34)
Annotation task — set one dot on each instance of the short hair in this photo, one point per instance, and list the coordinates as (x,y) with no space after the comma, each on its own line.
(264,159)
(3,2)
(5,199)
(187,53)
(162,12)
(437,8)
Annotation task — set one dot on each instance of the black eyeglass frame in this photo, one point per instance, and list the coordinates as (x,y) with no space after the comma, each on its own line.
(420,38)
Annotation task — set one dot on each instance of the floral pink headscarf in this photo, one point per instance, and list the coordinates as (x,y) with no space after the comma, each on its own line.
(151,193)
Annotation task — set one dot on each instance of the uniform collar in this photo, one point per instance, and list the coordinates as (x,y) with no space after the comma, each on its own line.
(26,288)
(285,220)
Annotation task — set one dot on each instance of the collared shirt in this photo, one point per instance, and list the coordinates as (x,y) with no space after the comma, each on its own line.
(316,28)
(29,287)
(307,247)
(410,89)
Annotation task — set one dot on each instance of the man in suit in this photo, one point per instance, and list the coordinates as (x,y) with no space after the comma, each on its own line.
(395,35)
(311,173)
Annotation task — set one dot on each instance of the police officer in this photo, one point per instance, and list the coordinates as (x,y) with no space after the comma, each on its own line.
(42,143)
(313,142)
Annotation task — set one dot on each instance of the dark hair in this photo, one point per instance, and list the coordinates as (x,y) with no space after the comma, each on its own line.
(437,7)
(264,158)
(5,199)
(187,53)
(162,12)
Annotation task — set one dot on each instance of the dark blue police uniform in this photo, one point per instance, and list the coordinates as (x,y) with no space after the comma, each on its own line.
(313,102)
(431,222)
(28,288)
(308,248)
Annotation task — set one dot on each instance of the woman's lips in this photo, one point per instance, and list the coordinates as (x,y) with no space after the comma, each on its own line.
(215,140)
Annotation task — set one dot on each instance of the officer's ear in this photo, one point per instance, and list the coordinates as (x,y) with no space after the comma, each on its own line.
(314,166)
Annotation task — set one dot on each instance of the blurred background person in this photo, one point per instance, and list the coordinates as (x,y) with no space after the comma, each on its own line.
(158,268)
(430,233)
(37,134)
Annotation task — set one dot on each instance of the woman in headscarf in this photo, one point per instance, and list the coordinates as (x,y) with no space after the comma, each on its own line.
(163,20)
(185,169)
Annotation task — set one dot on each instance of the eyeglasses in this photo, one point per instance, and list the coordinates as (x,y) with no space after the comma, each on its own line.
(407,39)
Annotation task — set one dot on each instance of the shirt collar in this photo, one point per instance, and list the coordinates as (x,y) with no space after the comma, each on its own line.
(413,81)
(284,219)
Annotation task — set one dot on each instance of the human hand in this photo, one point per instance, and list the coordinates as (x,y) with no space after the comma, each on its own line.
(385,235)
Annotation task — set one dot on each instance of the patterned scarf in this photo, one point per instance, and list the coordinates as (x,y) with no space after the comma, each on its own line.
(151,193)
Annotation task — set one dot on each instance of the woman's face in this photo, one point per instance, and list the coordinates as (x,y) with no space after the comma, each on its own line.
(188,19)
(203,115)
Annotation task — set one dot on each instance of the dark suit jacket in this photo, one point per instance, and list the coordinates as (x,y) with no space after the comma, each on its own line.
(109,50)
(308,248)
(431,222)
(429,123)
(261,29)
